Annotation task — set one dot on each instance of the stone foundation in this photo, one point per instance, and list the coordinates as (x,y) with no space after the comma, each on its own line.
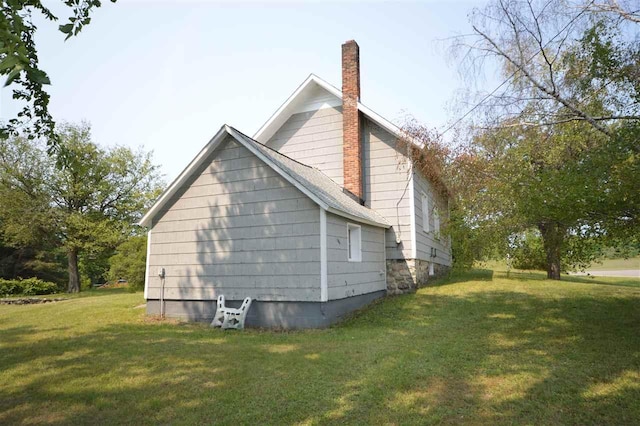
(407,275)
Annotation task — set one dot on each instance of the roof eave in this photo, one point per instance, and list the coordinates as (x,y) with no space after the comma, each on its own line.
(182,177)
(357,218)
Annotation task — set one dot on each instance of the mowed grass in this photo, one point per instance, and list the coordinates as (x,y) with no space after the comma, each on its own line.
(632,263)
(479,348)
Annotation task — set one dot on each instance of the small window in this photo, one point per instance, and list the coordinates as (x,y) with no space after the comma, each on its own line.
(436,221)
(425,214)
(354,242)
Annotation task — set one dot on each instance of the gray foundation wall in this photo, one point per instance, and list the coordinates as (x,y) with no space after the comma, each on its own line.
(268,314)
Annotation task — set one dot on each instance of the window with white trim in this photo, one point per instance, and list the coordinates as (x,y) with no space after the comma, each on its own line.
(354,242)
(425,214)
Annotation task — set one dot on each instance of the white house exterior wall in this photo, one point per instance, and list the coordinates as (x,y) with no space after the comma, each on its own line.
(237,229)
(427,240)
(352,278)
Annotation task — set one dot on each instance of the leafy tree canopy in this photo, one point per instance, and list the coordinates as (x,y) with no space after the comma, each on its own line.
(19,62)
(87,207)
(554,148)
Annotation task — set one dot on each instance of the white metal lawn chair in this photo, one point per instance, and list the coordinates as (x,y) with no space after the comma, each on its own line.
(234,318)
(230,317)
(219,316)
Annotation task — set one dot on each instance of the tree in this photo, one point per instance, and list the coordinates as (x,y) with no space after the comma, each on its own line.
(554,147)
(562,61)
(87,207)
(130,261)
(511,180)
(19,62)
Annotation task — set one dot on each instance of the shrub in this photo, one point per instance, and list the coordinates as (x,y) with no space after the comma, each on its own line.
(129,262)
(528,252)
(27,287)
(9,287)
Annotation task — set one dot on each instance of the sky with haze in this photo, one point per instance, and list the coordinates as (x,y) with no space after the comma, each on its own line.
(167,75)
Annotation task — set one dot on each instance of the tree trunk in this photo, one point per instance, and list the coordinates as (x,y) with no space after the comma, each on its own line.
(552,238)
(74,275)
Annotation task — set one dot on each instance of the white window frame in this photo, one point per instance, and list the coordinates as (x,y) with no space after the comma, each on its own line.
(436,222)
(426,226)
(357,255)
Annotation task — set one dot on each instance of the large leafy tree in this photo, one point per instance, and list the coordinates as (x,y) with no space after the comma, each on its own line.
(559,60)
(87,207)
(554,147)
(19,62)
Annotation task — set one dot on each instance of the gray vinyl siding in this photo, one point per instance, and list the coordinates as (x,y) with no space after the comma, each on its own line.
(347,279)
(239,229)
(315,139)
(386,187)
(426,240)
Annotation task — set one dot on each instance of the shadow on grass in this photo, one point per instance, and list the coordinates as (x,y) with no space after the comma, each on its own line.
(617,281)
(485,357)
(521,275)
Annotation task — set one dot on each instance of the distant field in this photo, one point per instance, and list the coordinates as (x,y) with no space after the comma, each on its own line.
(479,348)
(604,265)
(616,264)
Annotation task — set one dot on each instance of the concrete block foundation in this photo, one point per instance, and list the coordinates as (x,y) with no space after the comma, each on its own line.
(284,315)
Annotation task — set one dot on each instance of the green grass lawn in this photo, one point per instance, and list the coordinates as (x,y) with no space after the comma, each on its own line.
(479,348)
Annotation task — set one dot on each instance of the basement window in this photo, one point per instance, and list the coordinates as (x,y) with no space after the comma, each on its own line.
(354,242)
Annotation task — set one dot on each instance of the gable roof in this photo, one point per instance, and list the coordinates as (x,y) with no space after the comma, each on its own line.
(312,182)
(298,102)
(297,99)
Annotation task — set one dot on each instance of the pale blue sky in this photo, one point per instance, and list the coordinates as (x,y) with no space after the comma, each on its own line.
(167,75)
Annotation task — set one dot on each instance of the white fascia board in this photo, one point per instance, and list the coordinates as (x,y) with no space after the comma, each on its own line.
(260,134)
(283,113)
(146,269)
(325,85)
(357,218)
(183,177)
(384,250)
(324,286)
(281,172)
(378,119)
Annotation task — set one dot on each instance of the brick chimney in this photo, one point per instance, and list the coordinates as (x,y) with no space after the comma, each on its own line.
(351,126)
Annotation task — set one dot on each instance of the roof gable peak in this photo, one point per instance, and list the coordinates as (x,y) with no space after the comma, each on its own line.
(295,103)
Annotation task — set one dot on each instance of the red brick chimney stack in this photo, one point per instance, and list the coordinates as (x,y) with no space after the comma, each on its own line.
(352,131)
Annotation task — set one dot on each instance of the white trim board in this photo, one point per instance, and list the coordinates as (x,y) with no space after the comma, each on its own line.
(324,286)
(146,269)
